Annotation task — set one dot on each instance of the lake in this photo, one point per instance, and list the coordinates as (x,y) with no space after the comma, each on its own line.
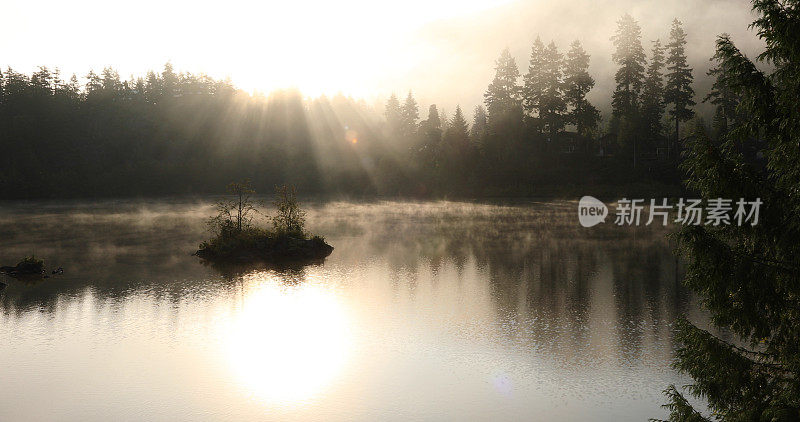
(424,311)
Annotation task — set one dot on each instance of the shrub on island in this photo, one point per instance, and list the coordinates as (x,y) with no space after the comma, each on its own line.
(237,239)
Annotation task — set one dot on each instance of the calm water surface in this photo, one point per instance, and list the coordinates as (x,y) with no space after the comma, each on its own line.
(424,311)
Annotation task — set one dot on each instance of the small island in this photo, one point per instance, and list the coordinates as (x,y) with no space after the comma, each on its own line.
(30,266)
(237,240)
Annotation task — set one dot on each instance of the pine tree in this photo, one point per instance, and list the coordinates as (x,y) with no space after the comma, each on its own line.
(110,80)
(653,95)
(747,276)
(578,83)
(723,98)
(94,84)
(431,134)
(15,83)
(504,105)
(409,116)
(502,98)
(169,81)
(724,104)
(552,105)
(457,135)
(534,85)
(153,88)
(393,114)
(42,81)
(445,122)
(480,127)
(630,57)
(456,148)
(678,91)
(140,86)
(58,83)
(71,89)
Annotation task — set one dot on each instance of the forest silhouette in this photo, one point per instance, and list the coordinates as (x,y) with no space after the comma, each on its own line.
(181,133)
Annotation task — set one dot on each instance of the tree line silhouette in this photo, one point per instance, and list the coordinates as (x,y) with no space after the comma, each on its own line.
(182,133)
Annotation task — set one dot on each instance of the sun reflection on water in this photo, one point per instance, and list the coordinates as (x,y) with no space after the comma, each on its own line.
(287,343)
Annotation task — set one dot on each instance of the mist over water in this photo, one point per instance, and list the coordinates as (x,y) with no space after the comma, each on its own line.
(425,310)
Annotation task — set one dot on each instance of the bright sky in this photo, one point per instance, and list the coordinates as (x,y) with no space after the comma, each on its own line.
(319,46)
(443,50)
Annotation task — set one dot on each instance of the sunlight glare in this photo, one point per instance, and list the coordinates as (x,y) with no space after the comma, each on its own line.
(288,342)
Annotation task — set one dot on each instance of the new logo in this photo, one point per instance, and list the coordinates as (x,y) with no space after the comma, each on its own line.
(591,211)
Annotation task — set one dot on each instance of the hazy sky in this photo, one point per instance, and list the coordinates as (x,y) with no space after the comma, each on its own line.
(442,49)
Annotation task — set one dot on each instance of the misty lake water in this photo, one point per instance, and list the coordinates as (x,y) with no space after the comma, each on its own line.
(424,311)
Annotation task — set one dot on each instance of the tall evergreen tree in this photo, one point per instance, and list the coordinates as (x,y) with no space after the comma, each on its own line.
(42,81)
(480,127)
(533,89)
(394,115)
(458,130)
(747,276)
(552,105)
(678,91)
(15,84)
(723,98)
(71,89)
(169,81)
(110,80)
(456,148)
(431,135)
(630,57)
(409,115)
(578,83)
(724,101)
(57,81)
(153,88)
(503,97)
(653,94)
(139,86)
(445,122)
(504,105)
(93,84)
